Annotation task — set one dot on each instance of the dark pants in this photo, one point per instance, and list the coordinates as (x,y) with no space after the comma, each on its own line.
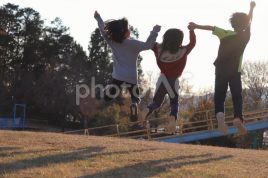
(221,87)
(161,91)
(116,87)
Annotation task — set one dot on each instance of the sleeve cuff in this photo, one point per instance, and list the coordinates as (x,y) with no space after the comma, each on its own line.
(99,19)
(213,31)
(155,30)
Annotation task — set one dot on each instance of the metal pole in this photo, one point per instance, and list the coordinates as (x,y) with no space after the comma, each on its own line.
(24,108)
(207,120)
(117,128)
(255,140)
(211,123)
(14,116)
(86,132)
(15,106)
(180,124)
(148,132)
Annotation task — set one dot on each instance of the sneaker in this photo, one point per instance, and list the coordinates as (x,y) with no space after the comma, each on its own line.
(223,128)
(238,123)
(171,125)
(143,114)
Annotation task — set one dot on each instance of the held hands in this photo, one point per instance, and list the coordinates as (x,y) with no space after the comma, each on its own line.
(252,4)
(157,28)
(96,14)
(192,26)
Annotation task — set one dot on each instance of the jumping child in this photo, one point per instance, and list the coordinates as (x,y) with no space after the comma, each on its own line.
(171,58)
(125,53)
(228,67)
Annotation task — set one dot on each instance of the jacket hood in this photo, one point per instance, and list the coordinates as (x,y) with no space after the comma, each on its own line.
(168,57)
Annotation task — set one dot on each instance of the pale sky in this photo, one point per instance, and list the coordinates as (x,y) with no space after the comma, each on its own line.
(144,14)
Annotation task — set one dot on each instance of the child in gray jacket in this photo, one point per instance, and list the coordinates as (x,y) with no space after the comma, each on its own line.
(125,53)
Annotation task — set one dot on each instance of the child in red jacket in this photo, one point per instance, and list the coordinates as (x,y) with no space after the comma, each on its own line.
(171,58)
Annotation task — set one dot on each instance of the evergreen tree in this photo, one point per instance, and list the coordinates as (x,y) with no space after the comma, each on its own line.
(9,24)
(100,59)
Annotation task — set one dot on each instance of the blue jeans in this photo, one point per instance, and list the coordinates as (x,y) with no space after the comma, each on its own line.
(221,87)
(165,86)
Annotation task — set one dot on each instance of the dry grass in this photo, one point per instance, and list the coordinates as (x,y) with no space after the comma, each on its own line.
(28,154)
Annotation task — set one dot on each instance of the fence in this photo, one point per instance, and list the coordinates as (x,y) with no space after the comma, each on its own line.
(205,121)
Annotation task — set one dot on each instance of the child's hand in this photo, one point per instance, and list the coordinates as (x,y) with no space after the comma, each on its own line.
(252,4)
(157,28)
(191,26)
(96,14)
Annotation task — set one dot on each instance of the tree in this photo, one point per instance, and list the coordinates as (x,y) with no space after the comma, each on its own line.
(9,23)
(255,82)
(112,115)
(65,67)
(41,65)
(100,58)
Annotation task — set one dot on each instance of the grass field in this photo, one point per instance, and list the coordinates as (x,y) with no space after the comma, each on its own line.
(31,154)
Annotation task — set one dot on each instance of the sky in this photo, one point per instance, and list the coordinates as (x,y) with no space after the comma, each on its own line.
(144,14)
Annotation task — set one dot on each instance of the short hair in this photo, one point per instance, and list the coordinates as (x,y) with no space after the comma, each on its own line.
(116,29)
(172,40)
(239,20)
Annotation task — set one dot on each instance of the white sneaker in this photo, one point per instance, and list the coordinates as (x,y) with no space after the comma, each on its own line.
(223,128)
(241,130)
(171,125)
(142,114)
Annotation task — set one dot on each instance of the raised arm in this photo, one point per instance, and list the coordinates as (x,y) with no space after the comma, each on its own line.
(202,27)
(252,6)
(101,26)
(192,42)
(139,45)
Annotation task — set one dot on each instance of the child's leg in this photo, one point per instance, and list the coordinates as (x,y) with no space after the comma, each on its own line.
(113,90)
(174,100)
(158,98)
(221,86)
(157,102)
(174,105)
(236,90)
(174,108)
(134,92)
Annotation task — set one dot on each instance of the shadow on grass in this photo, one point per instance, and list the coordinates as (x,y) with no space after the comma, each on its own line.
(3,154)
(9,148)
(155,167)
(42,161)
(25,152)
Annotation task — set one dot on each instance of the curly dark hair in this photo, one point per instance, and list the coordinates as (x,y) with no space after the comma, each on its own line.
(239,21)
(172,40)
(116,29)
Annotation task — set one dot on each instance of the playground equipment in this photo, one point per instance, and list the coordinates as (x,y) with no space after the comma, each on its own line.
(205,127)
(17,120)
